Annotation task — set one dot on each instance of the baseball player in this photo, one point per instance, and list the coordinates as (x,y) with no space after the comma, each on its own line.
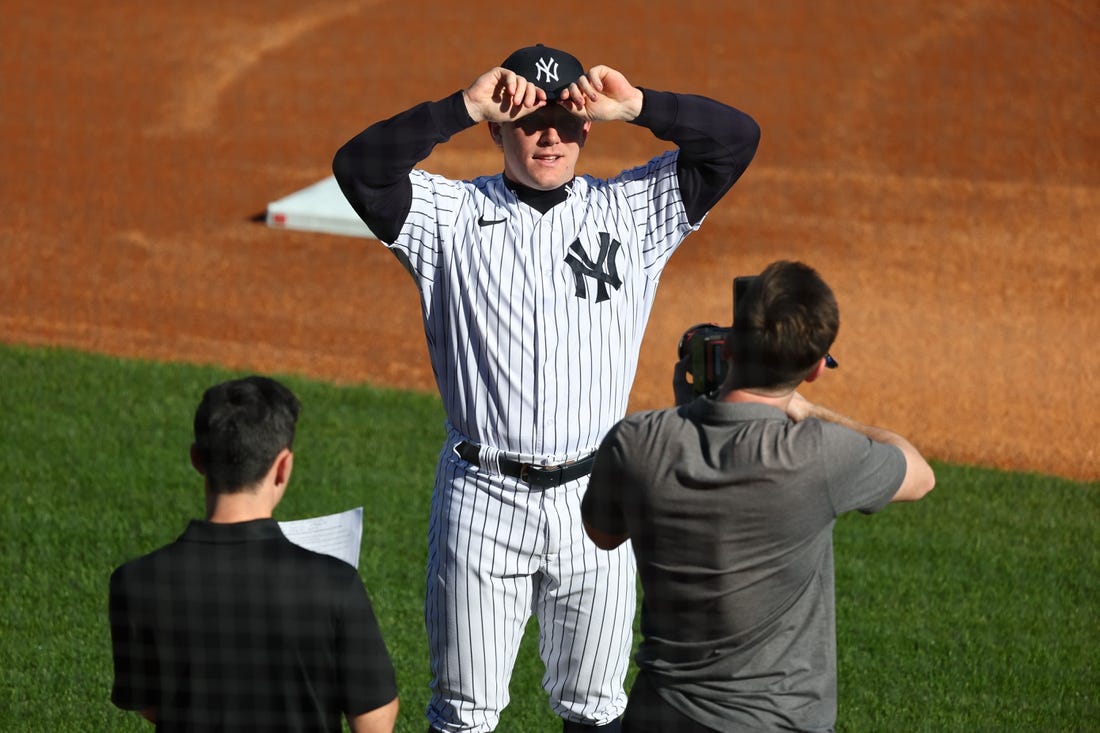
(536,285)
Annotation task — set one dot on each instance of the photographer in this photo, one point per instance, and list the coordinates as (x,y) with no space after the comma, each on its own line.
(729,502)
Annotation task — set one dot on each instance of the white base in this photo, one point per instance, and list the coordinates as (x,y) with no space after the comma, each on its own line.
(320,207)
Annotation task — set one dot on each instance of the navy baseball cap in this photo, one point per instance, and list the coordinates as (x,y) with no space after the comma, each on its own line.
(548,68)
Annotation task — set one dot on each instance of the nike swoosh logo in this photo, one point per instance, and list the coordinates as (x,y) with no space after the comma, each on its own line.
(483,222)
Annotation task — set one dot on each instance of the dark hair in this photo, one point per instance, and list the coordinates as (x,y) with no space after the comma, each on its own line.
(240,427)
(786,320)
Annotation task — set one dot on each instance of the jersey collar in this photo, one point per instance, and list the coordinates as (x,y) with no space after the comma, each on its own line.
(540,201)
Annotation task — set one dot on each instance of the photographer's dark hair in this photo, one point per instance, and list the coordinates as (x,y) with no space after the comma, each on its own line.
(240,427)
(784,323)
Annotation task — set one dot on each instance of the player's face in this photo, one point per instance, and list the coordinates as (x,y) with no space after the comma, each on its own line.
(541,149)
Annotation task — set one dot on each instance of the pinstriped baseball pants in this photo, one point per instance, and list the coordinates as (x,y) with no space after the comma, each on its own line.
(499,551)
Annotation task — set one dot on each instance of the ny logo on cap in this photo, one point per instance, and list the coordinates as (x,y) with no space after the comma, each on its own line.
(548,67)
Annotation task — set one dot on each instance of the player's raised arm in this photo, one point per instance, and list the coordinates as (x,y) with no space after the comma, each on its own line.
(716,141)
(373,167)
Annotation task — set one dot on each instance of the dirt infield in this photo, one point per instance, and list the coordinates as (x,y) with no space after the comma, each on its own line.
(938,162)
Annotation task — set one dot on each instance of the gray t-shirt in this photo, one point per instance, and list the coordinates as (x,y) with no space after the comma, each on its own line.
(730,510)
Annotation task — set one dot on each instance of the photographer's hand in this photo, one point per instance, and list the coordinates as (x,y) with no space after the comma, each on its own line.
(682,391)
(799,408)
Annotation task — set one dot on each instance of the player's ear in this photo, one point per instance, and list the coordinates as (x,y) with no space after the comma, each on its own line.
(584,132)
(494,133)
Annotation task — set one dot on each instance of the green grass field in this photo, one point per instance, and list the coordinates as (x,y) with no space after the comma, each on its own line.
(974,610)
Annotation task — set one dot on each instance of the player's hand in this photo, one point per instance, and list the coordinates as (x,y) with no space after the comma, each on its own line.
(500,95)
(603,94)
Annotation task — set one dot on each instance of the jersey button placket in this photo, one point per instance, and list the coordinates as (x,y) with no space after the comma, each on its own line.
(545,326)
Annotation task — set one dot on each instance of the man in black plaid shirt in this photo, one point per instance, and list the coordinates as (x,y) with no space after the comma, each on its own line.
(233,627)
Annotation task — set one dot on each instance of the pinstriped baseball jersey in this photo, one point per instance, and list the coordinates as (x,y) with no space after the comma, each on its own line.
(534,321)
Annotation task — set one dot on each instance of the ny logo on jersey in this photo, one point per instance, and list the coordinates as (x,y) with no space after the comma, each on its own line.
(603,270)
(550,68)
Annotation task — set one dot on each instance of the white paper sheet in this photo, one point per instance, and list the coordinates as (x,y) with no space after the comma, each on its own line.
(339,535)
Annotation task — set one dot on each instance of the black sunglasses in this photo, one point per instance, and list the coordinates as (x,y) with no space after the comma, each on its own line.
(830,362)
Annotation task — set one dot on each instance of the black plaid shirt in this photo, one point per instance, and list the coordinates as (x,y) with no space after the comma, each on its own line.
(233,627)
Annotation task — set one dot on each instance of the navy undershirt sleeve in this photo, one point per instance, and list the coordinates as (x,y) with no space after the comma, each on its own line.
(373,167)
(716,141)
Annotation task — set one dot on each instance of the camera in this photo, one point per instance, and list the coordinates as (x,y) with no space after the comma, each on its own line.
(705,343)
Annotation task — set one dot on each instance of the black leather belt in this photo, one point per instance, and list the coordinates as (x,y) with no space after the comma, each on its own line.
(540,477)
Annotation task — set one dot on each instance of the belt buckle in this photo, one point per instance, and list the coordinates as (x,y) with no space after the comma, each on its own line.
(541,477)
(533,476)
